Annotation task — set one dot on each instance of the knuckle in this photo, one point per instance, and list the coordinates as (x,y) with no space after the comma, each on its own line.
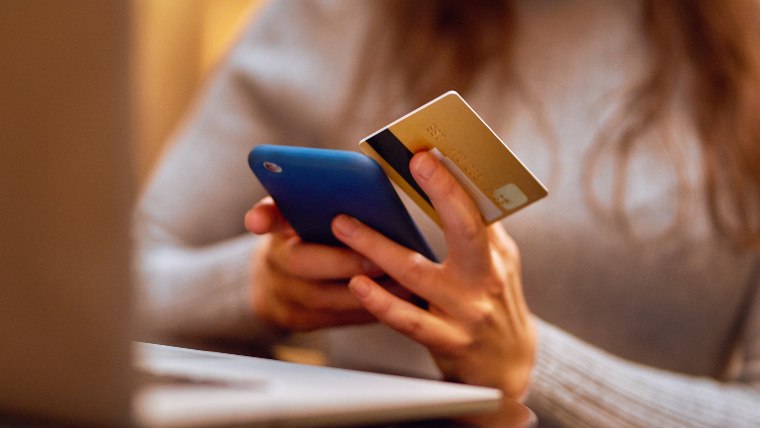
(448,186)
(290,263)
(505,264)
(480,317)
(315,299)
(483,314)
(412,326)
(415,269)
(470,228)
(283,316)
(286,255)
(287,319)
(302,295)
(295,320)
(458,346)
(504,242)
(451,190)
(277,258)
(463,344)
(382,309)
(511,248)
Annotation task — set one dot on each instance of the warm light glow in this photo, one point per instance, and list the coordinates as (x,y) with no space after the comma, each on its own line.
(175,45)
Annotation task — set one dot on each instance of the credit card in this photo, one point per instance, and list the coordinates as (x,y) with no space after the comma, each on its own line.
(451,130)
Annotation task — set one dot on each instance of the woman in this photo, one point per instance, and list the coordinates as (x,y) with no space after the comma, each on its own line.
(639,269)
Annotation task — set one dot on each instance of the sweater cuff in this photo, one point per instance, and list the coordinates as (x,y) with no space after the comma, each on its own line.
(555,383)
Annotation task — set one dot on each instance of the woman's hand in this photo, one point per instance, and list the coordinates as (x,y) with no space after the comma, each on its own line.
(478,327)
(300,286)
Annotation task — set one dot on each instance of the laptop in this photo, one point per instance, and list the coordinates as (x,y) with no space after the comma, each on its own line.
(65,298)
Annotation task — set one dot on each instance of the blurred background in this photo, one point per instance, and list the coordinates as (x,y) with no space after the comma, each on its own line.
(90,90)
(171,46)
(175,45)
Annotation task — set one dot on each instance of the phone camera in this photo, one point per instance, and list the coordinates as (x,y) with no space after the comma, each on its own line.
(272,167)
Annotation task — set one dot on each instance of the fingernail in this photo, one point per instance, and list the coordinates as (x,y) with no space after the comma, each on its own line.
(425,166)
(345,225)
(359,287)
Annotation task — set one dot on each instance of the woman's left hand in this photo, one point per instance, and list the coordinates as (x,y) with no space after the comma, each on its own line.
(478,327)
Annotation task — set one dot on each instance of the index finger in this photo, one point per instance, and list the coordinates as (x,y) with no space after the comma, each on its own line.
(462,223)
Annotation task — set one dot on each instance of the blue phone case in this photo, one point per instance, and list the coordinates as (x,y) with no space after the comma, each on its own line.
(311,186)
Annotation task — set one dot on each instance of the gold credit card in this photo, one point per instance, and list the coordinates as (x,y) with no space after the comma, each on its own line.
(447,126)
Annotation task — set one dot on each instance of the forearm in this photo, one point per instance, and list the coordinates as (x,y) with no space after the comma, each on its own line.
(579,385)
(199,293)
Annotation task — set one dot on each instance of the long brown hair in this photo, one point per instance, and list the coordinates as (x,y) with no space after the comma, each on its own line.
(713,46)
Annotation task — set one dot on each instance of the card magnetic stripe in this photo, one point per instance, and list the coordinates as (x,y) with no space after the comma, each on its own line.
(398,156)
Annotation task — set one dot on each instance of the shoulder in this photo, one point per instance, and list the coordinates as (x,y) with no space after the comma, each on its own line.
(295,53)
(302,37)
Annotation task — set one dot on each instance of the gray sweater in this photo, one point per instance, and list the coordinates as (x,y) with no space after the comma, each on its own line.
(630,330)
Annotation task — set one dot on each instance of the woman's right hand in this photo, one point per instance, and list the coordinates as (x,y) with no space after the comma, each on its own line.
(301,286)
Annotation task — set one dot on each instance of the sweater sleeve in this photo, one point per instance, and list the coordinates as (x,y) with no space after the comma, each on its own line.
(576,384)
(192,251)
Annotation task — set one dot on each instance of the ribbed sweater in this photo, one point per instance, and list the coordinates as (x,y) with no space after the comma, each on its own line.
(631,329)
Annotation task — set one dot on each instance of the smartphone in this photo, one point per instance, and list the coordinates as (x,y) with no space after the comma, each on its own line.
(311,186)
